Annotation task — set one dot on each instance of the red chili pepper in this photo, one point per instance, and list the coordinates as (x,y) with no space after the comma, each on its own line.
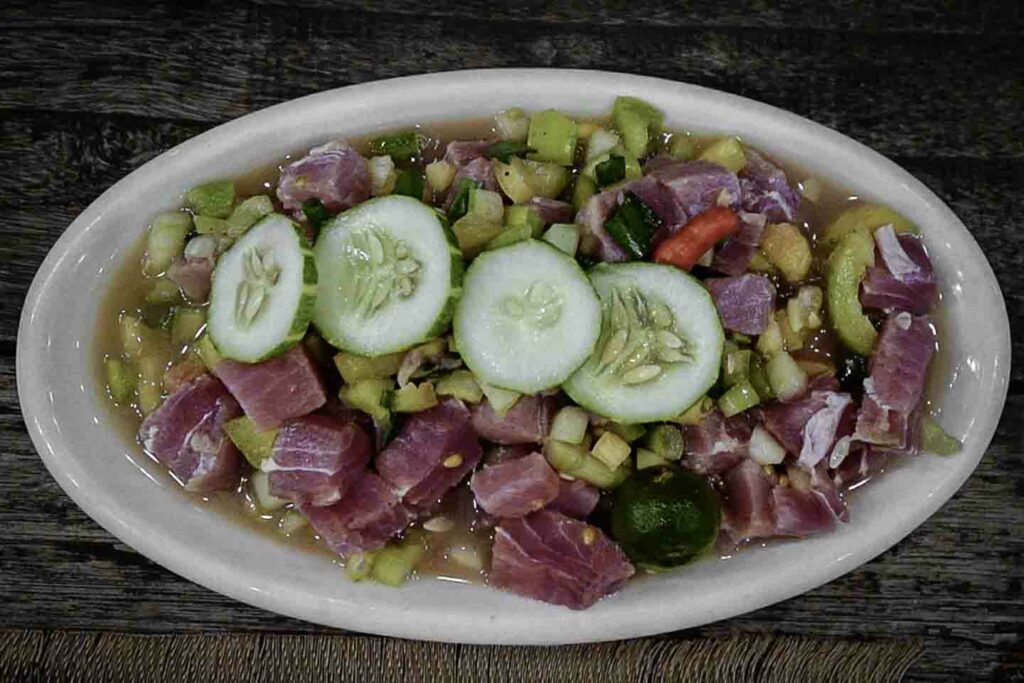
(704,230)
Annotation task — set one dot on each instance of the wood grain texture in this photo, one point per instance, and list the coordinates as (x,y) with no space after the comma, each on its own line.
(90,91)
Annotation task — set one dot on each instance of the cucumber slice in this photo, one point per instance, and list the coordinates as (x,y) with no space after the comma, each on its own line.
(390,274)
(528,317)
(660,348)
(263,290)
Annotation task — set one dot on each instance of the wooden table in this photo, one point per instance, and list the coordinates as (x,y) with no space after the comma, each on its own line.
(88,92)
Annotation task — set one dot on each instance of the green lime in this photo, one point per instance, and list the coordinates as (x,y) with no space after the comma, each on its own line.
(665,517)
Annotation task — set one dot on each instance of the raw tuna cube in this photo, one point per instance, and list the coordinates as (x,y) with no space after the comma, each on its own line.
(275,390)
(316,459)
(515,488)
(528,421)
(433,451)
(717,444)
(554,558)
(575,498)
(746,302)
(186,433)
(334,173)
(370,514)
(766,190)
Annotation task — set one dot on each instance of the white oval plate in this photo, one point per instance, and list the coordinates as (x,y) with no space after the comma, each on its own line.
(63,410)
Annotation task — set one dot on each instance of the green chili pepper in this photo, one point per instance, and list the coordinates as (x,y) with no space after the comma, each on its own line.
(633,226)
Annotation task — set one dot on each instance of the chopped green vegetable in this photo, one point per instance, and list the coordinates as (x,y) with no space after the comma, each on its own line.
(610,171)
(414,398)
(682,147)
(152,366)
(214,199)
(254,444)
(524,216)
(316,214)
(570,425)
(165,241)
(383,175)
(121,380)
(791,339)
(186,324)
(474,234)
(440,175)
(563,236)
(759,377)
(788,250)
(553,135)
(354,368)
(546,179)
(741,396)
(866,217)
(646,459)
(847,265)
(665,440)
(358,566)
(770,341)
(582,191)
(368,395)
(409,183)
(727,152)
(736,366)
(136,338)
(695,413)
(460,384)
(787,379)
(501,400)
(506,149)
(665,518)
(207,225)
(512,124)
(163,292)
(601,143)
(637,121)
(510,235)
(574,460)
(633,225)
(247,214)
(629,432)
(934,439)
(460,205)
(396,561)
(208,352)
(611,449)
(291,522)
(403,146)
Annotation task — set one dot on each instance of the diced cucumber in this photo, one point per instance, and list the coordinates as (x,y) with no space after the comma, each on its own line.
(121,380)
(413,398)
(727,152)
(512,124)
(165,241)
(759,377)
(247,214)
(368,395)
(601,142)
(440,175)
(359,565)
(611,449)
(787,249)
(208,352)
(934,439)
(389,275)
(786,378)
(509,235)
(570,425)
(186,325)
(528,317)
(163,292)
(260,487)
(736,366)
(695,413)
(263,291)
(646,459)
(740,396)
(460,384)
(637,121)
(292,522)
(524,216)
(382,175)
(553,135)
(564,237)
(254,444)
(576,461)
(501,400)
(395,562)
(629,432)
(354,367)
(666,441)
(682,147)
(864,217)
(660,348)
(151,381)
(215,227)
(582,191)
(546,179)
(212,199)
